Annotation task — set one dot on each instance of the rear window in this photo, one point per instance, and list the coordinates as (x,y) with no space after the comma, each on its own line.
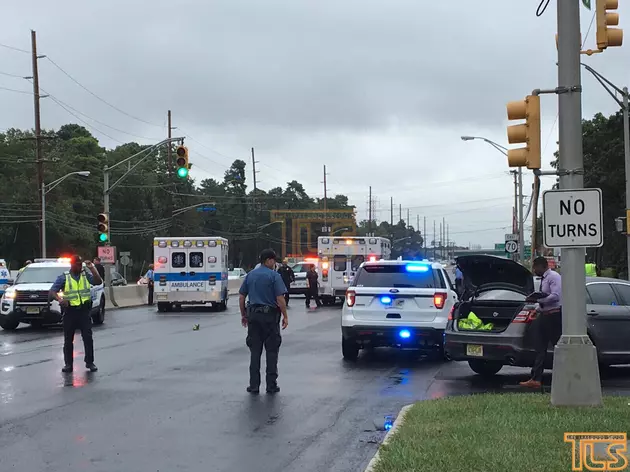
(340,263)
(397,276)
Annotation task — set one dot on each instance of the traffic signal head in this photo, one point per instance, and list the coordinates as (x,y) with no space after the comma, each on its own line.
(182,161)
(103,227)
(528,132)
(607,36)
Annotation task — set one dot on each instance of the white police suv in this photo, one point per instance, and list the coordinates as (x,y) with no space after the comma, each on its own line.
(28,300)
(397,304)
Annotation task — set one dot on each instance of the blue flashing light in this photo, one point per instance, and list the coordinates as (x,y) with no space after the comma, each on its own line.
(386,300)
(388,423)
(404,333)
(417,268)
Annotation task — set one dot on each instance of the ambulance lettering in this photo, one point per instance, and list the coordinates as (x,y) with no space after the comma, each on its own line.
(187,284)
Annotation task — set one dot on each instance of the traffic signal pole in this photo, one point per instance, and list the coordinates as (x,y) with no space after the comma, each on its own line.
(576,378)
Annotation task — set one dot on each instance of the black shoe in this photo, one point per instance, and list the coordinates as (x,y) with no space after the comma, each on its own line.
(91,367)
(273,389)
(253,391)
(66,369)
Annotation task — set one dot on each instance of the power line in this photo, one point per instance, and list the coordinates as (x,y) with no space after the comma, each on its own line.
(7,74)
(16,91)
(14,48)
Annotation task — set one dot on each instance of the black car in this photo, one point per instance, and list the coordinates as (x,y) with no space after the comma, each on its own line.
(495,290)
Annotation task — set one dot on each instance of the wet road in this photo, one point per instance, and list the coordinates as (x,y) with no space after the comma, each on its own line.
(168,398)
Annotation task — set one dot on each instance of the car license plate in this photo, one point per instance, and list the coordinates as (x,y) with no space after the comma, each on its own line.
(33,310)
(474,350)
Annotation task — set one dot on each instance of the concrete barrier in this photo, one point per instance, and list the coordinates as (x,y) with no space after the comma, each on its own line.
(137,295)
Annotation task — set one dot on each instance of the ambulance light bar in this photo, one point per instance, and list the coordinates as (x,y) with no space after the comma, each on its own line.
(162,244)
(174,243)
(212,243)
(199,243)
(187,244)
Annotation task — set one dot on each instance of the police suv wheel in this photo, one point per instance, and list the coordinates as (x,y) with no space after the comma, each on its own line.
(8,324)
(349,349)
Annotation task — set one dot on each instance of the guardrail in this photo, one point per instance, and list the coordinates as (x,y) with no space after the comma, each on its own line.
(137,295)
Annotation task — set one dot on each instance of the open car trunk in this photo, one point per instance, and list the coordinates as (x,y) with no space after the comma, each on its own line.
(498,312)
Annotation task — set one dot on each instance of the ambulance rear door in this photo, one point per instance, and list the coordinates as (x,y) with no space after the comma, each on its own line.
(214,267)
(182,277)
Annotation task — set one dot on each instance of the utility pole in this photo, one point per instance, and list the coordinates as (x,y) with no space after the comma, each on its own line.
(370,212)
(626,152)
(325,202)
(576,380)
(448,241)
(441,242)
(254,161)
(170,148)
(535,192)
(399,212)
(424,235)
(521,225)
(408,219)
(433,239)
(417,222)
(392,211)
(38,132)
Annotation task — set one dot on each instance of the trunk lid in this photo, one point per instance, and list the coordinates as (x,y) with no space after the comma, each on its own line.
(482,270)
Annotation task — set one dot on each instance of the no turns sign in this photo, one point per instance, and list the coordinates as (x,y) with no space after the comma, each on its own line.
(573,218)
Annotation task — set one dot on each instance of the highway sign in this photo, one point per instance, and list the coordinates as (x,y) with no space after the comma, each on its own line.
(107,254)
(573,218)
(511,247)
(125,260)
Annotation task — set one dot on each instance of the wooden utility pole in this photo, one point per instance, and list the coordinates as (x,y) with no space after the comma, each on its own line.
(38,133)
(399,212)
(370,212)
(408,221)
(434,239)
(170,147)
(325,202)
(392,211)
(254,171)
(424,235)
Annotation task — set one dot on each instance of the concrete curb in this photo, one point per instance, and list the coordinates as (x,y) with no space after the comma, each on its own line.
(400,419)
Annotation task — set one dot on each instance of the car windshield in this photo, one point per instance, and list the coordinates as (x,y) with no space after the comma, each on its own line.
(398,276)
(40,275)
(234,273)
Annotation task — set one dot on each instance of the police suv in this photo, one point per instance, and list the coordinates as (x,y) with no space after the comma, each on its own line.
(28,300)
(397,303)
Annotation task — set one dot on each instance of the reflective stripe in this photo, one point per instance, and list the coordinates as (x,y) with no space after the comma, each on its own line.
(77,292)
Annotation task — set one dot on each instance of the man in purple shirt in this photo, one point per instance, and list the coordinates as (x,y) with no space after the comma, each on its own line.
(548,325)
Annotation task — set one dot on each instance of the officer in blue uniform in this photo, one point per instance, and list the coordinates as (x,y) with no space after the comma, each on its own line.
(261,316)
(76,303)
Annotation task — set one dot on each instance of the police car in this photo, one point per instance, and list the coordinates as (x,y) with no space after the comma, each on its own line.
(397,303)
(28,300)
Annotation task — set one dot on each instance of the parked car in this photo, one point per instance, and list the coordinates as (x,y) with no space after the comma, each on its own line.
(118,280)
(237,274)
(300,287)
(495,291)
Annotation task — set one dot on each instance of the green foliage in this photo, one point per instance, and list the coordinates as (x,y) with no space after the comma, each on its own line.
(604,168)
(141,206)
(406,241)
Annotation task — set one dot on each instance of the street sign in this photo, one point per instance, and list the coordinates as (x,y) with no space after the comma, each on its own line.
(511,247)
(107,254)
(511,237)
(125,260)
(125,253)
(573,218)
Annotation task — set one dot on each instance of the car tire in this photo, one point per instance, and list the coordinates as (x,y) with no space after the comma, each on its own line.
(349,349)
(485,368)
(163,307)
(9,324)
(99,317)
(222,306)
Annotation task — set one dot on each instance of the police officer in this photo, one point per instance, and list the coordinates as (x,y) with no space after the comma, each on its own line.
(288,276)
(76,304)
(261,316)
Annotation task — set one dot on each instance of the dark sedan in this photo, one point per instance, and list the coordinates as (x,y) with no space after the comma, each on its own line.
(495,291)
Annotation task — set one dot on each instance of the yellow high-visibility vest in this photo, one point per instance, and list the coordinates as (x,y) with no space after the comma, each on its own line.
(591,270)
(76,292)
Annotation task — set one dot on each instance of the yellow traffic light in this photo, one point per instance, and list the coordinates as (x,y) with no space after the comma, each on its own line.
(182,161)
(103,227)
(608,36)
(528,132)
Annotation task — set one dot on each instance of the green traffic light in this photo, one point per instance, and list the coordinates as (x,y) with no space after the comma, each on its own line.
(182,172)
(102,237)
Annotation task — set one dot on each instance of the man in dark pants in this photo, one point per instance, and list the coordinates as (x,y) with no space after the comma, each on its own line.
(150,276)
(261,316)
(312,291)
(288,276)
(76,302)
(548,324)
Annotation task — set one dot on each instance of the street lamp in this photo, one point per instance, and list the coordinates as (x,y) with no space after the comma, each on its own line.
(47,188)
(521,227)
(339,230)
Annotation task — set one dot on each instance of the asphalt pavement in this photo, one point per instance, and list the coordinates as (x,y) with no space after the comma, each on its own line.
(167,398)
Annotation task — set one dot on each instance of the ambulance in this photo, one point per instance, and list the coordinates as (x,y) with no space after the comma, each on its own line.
(190,271)
(341,257)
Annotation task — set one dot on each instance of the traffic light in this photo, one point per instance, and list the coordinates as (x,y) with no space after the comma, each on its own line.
(182,161)
(608,36)
(528,132)
(103,227)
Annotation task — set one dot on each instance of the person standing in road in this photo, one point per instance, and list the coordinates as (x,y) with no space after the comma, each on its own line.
(548,324)
(150,276)
(312,290)
(99,267)
(265,290)
(76,303)
(459,281)
(288,276)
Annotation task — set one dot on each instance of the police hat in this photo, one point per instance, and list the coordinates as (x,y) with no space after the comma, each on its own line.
(268,254)
(76,259)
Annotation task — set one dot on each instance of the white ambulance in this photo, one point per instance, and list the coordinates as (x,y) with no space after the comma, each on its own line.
(190,271)
(341,257)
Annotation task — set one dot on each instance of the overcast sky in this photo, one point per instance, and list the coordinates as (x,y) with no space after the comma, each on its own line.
(378,91)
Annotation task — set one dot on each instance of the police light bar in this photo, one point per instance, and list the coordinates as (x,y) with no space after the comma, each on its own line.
(417,268)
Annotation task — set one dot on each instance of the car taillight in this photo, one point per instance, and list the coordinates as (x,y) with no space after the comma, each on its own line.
(525,316)
(439,299)
(450,313)
(350,298)
(325,274)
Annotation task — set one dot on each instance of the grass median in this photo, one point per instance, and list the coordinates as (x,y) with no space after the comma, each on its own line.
(482,433)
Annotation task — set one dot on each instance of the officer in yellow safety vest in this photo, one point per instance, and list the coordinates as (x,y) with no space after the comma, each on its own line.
(591,269)
(72,291)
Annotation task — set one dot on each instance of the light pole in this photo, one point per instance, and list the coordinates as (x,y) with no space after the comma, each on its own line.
(47,188)
(626,137)
(521,226)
